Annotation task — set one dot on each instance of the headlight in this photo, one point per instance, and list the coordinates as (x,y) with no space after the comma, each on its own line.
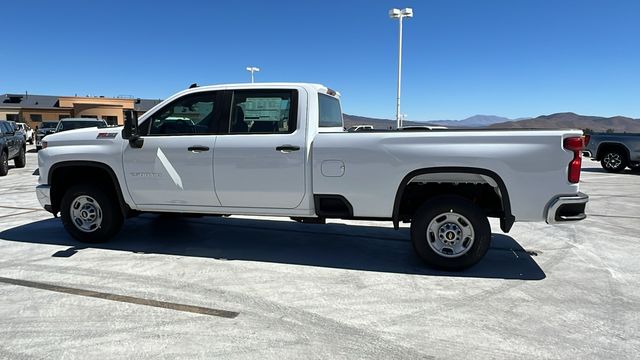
(44,144)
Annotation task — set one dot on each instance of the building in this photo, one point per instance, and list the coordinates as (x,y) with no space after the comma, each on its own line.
(34,109)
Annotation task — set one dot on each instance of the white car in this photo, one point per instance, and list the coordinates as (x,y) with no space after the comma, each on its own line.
(280,149)
(28,132)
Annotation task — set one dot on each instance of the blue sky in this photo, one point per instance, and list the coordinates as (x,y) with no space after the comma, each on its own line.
(514,58)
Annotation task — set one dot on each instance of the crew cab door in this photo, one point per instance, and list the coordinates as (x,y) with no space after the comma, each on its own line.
(174,167)
(259,160)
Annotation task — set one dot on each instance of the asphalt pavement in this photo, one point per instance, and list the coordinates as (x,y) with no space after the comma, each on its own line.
(270,288)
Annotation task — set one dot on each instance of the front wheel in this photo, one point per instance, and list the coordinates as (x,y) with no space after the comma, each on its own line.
(614,161)
(90,214)
(4,163)
(450,233)
(21,160)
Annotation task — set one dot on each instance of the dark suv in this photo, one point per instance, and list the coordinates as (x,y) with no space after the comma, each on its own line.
(12,146)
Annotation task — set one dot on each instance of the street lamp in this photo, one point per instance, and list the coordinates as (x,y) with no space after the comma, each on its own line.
(252,69)
(399,14)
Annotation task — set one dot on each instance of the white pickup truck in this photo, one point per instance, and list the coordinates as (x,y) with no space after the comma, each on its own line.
(280,149)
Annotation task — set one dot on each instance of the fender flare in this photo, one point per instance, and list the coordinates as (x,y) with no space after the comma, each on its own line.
(124,208)
(507,219)
(599,152)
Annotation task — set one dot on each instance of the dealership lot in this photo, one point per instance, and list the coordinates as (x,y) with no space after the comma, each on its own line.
(244,287)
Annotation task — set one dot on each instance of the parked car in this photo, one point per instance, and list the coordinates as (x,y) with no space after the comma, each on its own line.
(360,128)
(46,128)
(614,151)
(281,150)
(28,132)
(66,125)
(79,123)
(12,146)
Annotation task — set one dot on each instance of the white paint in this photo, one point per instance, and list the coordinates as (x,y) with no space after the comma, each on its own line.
(169,168)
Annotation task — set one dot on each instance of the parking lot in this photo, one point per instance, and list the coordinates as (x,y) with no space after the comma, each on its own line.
(243,287)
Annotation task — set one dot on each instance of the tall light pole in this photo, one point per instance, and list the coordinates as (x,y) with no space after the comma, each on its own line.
(252,69)
(399,14)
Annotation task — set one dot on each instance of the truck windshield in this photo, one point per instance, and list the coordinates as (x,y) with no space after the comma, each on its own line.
(330,113)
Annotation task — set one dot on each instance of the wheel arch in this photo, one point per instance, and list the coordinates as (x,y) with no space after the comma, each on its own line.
(57,170)
(506,219)
(604,146)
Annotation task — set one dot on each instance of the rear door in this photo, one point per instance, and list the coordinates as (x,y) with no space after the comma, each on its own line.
(259,160)
(174,167)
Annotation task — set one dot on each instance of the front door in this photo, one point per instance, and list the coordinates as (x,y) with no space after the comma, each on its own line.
(260,161)
(174,165)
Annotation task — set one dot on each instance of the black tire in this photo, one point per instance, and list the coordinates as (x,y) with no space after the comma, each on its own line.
(4,163)
(112,218)
(442,207)
(21,160)
(614,160)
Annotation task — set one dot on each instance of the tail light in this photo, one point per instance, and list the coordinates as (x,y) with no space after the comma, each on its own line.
(576,145)
(586,140)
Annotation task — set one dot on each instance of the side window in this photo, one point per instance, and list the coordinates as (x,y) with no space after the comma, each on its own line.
(189,115)
(330,113)
(263,112)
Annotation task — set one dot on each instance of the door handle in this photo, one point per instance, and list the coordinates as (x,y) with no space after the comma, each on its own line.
(198,148)
(287,148)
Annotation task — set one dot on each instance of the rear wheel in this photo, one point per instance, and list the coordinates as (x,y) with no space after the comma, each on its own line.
(450,233)
(90,214)
(614,161)
(21,160)
(4,163)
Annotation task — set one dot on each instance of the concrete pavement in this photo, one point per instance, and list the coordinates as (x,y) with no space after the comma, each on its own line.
(348,289)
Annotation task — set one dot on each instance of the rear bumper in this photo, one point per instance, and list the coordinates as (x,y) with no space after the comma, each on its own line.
(567,208)
(43,192)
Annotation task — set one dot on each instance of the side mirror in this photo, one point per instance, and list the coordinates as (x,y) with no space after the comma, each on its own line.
(130,131)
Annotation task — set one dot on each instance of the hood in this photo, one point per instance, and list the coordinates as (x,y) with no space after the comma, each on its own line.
(84,136)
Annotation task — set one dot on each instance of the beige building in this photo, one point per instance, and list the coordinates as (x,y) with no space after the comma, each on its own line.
(34,109)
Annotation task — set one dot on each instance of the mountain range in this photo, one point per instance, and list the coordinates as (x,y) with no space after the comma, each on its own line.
(571,120)
(554,121)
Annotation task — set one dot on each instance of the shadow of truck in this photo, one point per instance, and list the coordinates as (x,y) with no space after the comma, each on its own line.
(353,247)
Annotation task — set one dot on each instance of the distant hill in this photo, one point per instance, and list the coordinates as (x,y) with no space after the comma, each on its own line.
(474,121)
(567,120)
(571,120)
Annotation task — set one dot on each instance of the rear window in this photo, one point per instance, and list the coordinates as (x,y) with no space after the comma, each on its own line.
(330,113)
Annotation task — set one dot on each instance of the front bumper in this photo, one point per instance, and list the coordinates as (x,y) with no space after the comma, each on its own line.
(43,192)
(567,208)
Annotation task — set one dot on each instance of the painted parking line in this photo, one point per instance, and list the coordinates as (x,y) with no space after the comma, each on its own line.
(16,214)
(21,208)
(121,298)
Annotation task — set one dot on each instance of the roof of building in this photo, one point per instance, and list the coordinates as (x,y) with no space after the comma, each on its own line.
(32,101)
(28,101)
